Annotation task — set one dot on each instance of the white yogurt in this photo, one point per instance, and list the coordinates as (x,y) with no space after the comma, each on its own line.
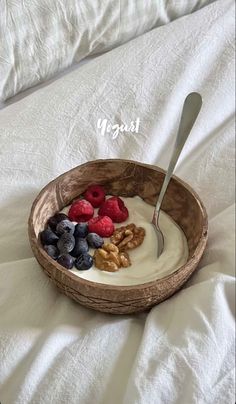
(145,265)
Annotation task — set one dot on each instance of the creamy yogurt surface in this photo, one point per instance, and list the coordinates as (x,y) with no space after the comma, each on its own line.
(145,266)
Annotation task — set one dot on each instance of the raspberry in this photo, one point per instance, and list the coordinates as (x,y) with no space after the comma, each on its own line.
(80,211)
(115,208)
(95,194)
(102,225)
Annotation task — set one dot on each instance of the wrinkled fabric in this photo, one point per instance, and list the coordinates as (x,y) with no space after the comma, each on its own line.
(39,38)
(52,350)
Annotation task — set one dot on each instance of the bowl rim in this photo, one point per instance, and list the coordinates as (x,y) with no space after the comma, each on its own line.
(36,244)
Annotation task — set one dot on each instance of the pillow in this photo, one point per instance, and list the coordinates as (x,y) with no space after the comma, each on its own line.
(39,38)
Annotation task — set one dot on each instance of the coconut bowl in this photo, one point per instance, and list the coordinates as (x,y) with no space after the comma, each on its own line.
(124,178)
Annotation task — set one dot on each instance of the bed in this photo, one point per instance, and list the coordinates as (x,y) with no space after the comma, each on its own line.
(182,351)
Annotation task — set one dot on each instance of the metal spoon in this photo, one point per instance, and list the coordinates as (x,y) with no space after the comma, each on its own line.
(191,108)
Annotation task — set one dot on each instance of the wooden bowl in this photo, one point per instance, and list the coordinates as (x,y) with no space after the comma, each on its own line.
(124,178)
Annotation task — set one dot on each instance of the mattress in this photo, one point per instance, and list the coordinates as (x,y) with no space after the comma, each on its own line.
(182,351)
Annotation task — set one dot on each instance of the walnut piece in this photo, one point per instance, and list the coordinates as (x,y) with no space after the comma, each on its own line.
(128,237)
(108,258)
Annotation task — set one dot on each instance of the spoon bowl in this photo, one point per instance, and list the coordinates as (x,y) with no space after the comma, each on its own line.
(124,178)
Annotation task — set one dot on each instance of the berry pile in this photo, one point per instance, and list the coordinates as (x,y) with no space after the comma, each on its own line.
(68,243)
(67,239)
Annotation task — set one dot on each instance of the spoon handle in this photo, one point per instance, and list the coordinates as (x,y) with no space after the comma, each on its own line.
(191,108)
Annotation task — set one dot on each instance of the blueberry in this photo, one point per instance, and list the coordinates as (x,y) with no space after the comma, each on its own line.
(48,237)
(66,243)
(81,247)
(52,251)
(65,226)
(66,261)
(84,262)
(81,230)
(57,218)
(94,240)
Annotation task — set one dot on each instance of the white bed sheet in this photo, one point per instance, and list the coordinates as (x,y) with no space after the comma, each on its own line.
(25,93)
(42,37)
(55,351)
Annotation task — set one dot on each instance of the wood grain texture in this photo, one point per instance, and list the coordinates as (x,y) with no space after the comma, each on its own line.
(124,178)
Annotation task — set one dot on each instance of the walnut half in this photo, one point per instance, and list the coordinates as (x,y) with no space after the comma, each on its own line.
(128,237)
(108,258)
